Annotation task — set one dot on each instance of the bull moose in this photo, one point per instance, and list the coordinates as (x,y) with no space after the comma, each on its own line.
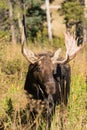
(48,76)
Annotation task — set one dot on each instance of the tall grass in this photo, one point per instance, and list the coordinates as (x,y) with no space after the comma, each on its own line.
(16,107)
(75,116)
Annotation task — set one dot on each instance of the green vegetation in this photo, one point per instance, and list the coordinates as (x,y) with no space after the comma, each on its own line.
(74,18)
(35,17)
(75,117)
(31,14)
(73,11)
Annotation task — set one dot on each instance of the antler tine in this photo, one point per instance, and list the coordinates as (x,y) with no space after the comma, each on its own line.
(28,54)
(71,48)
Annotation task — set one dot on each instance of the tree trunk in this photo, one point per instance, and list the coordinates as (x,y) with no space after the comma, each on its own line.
(24,17)
(48,21)
(85,26)
(21,21)
(12,22)
(21,27)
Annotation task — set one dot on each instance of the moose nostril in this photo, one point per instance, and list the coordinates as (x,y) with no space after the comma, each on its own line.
(50,87)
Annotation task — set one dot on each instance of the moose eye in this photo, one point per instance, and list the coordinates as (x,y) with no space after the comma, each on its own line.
(39,69)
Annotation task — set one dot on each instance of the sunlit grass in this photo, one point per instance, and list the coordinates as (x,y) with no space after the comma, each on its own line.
(75,117)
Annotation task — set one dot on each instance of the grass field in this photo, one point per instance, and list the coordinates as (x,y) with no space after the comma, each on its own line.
(14,105)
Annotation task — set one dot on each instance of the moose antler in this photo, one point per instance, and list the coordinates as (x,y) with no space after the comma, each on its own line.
(28,54)
(71,48)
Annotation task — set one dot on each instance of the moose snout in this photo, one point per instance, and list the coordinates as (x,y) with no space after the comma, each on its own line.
(50,88)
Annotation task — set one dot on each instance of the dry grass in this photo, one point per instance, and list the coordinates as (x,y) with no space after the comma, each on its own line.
(57,2)
(58,26)
(75,116)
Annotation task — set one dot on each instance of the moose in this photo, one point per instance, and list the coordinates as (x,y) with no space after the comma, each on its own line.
(48,76)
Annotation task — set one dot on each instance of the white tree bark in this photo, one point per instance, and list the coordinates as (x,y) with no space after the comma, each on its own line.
(85,15)
(21,27)
(48,21)
(11,22)
(20,14)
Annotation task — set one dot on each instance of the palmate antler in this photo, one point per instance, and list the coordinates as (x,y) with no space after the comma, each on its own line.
(29,55)
(71,48)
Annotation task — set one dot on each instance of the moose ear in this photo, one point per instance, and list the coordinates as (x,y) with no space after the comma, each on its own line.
(56,55)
